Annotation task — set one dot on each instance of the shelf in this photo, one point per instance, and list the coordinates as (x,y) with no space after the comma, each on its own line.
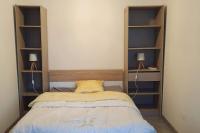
(30,94)
(146,7)
(31,49)
(145,26)
(145,48)
(143,70)
(145,76)
(30,26)
(150,109)
(145,93)
(29,71)
(149,112)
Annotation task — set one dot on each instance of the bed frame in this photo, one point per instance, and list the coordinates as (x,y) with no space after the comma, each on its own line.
(72,75)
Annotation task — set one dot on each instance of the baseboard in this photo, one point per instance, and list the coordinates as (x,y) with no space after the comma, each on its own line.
(12,125)
(169,124)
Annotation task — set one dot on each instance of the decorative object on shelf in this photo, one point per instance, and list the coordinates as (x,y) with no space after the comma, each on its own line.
(140,59)
(33,59)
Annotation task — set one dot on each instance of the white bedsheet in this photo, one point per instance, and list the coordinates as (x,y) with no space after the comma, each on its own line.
(110,116)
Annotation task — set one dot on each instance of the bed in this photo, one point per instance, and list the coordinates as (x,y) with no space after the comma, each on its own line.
(70,112)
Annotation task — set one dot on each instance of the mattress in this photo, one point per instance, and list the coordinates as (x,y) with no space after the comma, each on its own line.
(108,112)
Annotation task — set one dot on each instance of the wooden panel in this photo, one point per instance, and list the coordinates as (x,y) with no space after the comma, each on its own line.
(155,76)
(19,43)
(44,41)
(72,75)
(126,19)
(161,41)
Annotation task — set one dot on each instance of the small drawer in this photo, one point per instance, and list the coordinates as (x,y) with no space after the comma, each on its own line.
(145,76)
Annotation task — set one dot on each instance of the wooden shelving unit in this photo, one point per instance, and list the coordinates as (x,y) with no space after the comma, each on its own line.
(31,37)
(144,33)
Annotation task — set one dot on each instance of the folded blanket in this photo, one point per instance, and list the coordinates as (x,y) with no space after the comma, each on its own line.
(81,97)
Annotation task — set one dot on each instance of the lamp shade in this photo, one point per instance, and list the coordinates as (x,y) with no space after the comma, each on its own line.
(33,57)
(140,57)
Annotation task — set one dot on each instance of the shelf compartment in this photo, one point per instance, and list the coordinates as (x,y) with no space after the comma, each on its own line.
(30,94)
(26,101)
(142,37)
(144,16)
(27,82)
(146,101)
(144,87)
(151,58)
(31,37)
(145,76)
(30,15)
(27,63)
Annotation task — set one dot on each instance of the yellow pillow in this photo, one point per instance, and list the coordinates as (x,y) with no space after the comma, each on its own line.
(87,86)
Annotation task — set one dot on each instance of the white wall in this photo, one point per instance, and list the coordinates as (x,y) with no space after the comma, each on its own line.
(181,105)
(9,107)
(89,35)
(86,34)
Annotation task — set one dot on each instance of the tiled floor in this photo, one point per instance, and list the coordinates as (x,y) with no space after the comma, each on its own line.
(159,124)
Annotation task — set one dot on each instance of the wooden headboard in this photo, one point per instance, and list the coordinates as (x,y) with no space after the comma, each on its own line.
(72,75)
